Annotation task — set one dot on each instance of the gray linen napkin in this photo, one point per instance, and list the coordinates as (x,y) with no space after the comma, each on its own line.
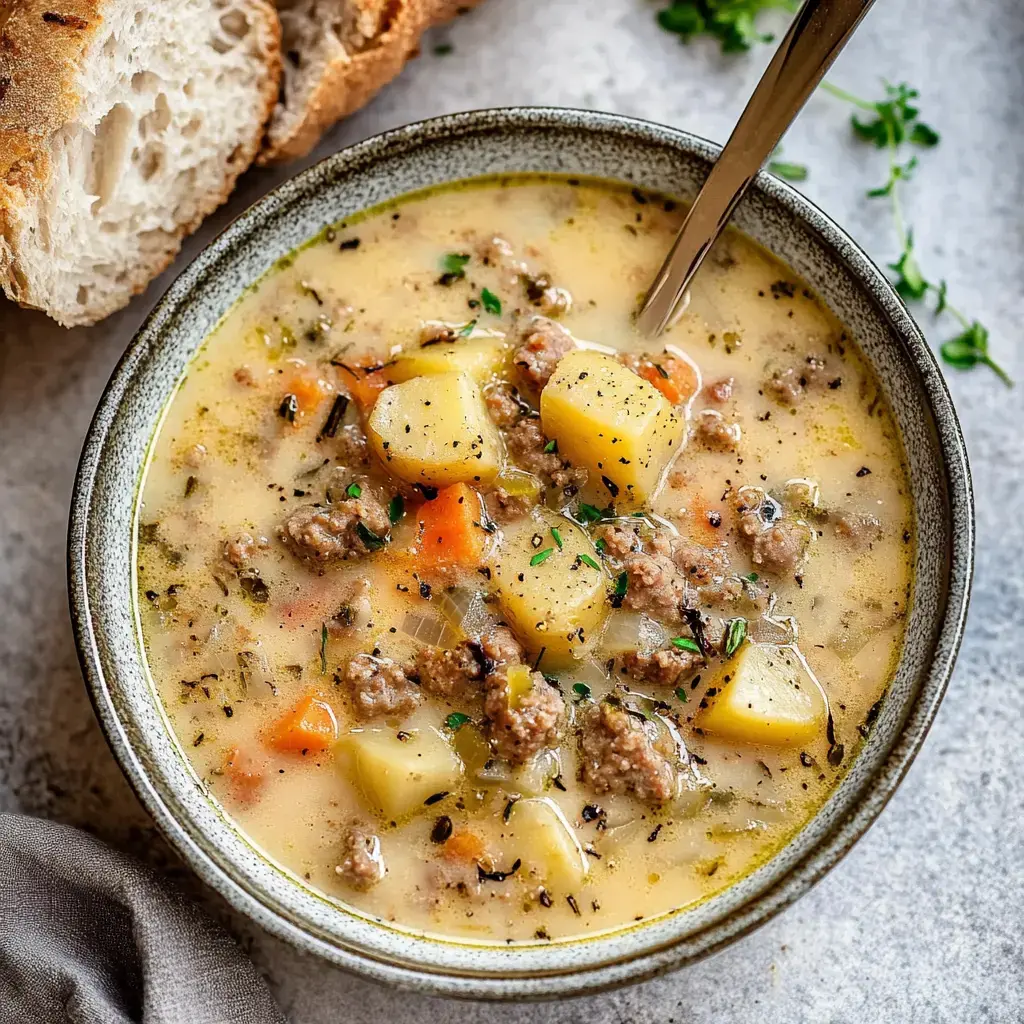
(89,936)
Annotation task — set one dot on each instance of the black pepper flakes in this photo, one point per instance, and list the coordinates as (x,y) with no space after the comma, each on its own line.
(442,830)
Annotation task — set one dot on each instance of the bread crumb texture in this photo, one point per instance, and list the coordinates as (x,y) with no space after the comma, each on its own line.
(337,55)
(122,125)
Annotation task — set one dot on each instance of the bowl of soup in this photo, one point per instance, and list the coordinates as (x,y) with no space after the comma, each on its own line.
(463,636)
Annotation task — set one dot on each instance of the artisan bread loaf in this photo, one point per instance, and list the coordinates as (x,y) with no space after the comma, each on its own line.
(337,54)
(122,124)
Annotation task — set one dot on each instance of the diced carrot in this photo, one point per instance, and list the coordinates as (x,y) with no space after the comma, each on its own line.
(364,384)
(452,534)
(310,727)
(308,389)
(674,378)
(465,846)
(246,779)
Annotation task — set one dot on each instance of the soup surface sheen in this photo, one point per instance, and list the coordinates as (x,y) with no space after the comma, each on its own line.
(484,616)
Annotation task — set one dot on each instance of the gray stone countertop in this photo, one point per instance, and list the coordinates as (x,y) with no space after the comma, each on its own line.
(924,920)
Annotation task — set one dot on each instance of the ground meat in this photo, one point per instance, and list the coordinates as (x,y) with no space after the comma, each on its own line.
(500,647)
(720,391)
(505,405)
(713,430)
(378,686)
(458,672)
(542,293)
(526,443)
(362,863)
(333,533)
(536,722)
(617,755)
(859,528)
(696,562)
(240,551)
(507,508)
(777,547)
(618,540)
(454,673)
(654,586)
(498,253)
(789,386)
(350,446)
(434,334)
(662,668)
(733,591)
(543,344)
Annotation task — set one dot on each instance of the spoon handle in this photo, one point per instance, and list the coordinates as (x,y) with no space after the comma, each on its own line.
(814,40)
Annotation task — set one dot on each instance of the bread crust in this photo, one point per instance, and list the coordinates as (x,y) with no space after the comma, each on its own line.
(43,44)
(349,83)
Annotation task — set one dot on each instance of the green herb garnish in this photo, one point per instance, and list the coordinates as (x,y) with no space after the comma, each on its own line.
(789,171)
(542,556)
(492,304)
(396,509)
(587,560)
(735,634)
(601,545)
(557,536)
(466,329)
(893,124)
(551,446)
(456,720)
(731,22)
(323,648)
(751,577)
(370,540)
(590,513)
(455,263)
(582,689)
(971,348)
(684,643)
(353,490)
(681,694)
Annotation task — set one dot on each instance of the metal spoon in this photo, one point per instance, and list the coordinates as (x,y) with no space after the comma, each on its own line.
(814,40)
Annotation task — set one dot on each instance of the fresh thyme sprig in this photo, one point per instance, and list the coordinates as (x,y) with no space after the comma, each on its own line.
(893,125)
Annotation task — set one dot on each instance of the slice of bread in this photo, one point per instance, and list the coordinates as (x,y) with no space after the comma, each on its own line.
(337,55)
(122,124)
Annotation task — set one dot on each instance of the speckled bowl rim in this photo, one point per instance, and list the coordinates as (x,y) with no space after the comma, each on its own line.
(591,963)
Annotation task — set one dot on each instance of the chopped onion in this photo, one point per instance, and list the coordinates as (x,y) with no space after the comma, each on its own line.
(495,771)
(632,631)
(429,629)
(467,611)
(535,776)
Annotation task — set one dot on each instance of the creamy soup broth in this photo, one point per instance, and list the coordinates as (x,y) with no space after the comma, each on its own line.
(631,743)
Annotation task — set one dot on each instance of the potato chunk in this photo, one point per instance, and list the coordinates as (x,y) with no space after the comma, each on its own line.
(435,431)
(558,603)
(480,358)
(396,775)
(545,841)
(766,695)
(615,423)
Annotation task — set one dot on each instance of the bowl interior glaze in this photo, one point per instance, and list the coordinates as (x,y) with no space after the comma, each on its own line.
(101,575)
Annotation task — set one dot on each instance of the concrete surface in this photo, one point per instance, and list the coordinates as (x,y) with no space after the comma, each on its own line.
(923,921)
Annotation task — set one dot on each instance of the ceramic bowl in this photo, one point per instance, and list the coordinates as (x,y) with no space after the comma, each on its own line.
(101,547)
